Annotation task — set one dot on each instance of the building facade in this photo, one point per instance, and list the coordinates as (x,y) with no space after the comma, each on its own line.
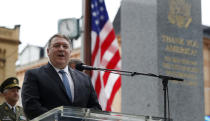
(9,41)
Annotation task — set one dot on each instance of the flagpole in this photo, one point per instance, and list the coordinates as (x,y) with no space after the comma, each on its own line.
(87,34)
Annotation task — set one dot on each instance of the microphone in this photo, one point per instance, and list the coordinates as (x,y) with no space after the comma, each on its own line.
(82,67)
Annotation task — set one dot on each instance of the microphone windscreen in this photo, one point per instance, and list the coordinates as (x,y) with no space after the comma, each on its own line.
(79,67)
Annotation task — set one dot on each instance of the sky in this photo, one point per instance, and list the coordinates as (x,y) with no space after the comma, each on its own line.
(39,18)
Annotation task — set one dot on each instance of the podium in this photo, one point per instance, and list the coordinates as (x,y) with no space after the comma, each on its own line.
(63,113)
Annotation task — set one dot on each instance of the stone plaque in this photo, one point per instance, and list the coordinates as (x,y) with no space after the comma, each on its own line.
(163,37)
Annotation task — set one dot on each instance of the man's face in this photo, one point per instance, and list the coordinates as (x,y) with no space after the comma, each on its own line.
(59,52)
(12,95)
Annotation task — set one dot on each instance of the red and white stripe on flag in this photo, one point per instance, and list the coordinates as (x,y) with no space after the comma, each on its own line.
(104,54)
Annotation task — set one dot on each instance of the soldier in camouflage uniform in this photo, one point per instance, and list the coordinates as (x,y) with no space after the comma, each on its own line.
(8,110)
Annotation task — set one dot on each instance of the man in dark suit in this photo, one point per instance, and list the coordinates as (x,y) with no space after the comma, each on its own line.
(56,84)
(73,62)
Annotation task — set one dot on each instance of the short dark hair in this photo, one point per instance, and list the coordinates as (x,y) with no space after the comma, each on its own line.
(75,61)
(60,36)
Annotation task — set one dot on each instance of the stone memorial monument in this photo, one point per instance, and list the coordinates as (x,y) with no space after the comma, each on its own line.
(163,37)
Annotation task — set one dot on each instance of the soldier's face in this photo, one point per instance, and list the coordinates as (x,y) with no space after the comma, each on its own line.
(11,95)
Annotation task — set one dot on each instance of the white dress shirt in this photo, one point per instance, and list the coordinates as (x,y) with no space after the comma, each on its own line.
(71,83)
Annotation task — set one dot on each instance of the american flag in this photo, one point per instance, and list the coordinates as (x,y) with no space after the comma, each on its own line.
(104,54)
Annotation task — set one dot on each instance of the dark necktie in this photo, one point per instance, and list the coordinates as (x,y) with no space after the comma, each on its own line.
(66,83)
(13,109)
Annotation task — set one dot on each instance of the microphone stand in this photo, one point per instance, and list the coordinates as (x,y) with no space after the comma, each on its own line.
(164,79)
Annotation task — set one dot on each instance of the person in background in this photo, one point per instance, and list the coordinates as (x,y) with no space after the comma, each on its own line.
(9,111)
(73,62)
(55,84)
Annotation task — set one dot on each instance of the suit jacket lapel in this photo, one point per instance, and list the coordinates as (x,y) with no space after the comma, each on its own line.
(17,113)
(74,79)
(55,77)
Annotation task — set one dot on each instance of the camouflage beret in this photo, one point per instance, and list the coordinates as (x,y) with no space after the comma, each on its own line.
(9,83)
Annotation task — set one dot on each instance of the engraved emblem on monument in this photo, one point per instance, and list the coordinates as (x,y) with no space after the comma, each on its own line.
(180,13)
